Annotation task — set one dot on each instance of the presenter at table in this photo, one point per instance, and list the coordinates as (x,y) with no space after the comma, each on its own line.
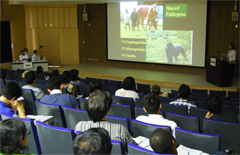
(231,57)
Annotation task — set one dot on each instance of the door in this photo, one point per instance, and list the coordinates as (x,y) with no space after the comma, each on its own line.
(49,40)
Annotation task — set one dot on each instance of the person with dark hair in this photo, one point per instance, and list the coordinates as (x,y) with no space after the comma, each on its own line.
(35,56)
(162,142)
(39,69)
(156,89)
(30,79)
(128,88)
(13,135)
(74,77)
(9,94)
(231,56)
(55,73)
(214,105)
(23,57)
(184,92)
(56,97)
(93,141)
(27,53)
(152,106)
(95,85)
(66,83)
(97,107)
(4,75)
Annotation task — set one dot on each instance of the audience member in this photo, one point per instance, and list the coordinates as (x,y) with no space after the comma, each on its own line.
(35,56)
(40,70)
(55,73)
(184,93)
(97,107)
(56,96)
(9,94)
(95,85)
(23,57)
(30,79)
(66,83)
(128,88)
(152,106)
(93,141)
(27,53)
(156,89)
(14,136)
(24,73)
(215,112)
(4,75)
(163,142)
(74,77)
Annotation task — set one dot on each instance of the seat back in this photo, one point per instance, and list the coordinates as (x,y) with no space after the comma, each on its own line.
(29,98)
(139,103)
(200,91)
(233,94)
(33,141)
(201,99)
(166,99)
(51,110)
(39,81)
(2,81)
(199,104)
(190,123)
(21,83)
(175,93)
(83,103)
(145,129)
(143,88)
(114,84)
(204,142)
(182,110)
(73,116)
(44,88)
(83,90)
(231,103)
(199,95)
(110,88)
(229,133)
(120,120)
(139,111)
(218,92)
(201,113)
(55,140)
(134,149)
(40,76)
(64,90)
(17,76)
(117,147)
(9,72)
(10,80)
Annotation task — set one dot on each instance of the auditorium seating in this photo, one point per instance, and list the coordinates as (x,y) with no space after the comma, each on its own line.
(134,149)
(139,111)
(40,76)
(44,88)
(44,82)
(218,92)
(139,102)
(119,120)
(201,113)
(166,99)
(83,103)
(29,98)
(110,88)
(10,80)
(233,94)
(2,81)
(182,110)
(143,88)
(22,83)
(117,147)
(200,91)
(17,76)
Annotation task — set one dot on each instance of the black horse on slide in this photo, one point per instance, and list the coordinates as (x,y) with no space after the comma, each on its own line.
(174,51)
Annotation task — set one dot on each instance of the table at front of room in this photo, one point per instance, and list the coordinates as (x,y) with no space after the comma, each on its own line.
(30,65)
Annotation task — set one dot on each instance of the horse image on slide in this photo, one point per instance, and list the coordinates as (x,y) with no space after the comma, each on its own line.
(174,51)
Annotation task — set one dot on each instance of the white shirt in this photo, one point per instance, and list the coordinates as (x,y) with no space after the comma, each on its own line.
(28,54)
(56,91)
(158,120)
(35,57)
(232,55)
(127,18)
(126,93)
(22,57)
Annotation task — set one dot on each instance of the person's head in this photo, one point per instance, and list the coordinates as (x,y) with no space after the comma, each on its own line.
(93,141)
(4,74)
(163,142)
(35,52)
(184,91)
(95,85)
(151,103)
(22,52)
(126,10)
(129,83)
(213,103)
(39,69)
(156,89)
(55,73)
(30,78)
(11,91)
(54,83)
(66,77)
(232,46)
(13,135)
(74,74)
(98,105)
(25,49)
(24,73)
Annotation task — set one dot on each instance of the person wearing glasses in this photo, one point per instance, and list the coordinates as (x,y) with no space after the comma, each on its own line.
(13,136)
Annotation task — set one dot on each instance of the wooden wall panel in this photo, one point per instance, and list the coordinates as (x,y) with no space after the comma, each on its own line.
(35,17)
(61,17)
(55,18)
(50,17)
(66,17)
(73,18)
(40,18)
(28,18)
(45,17)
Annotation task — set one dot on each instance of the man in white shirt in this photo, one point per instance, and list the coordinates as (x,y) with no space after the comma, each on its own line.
(152,106)
(127,19)
(35,56)
(27,53)
(23,57)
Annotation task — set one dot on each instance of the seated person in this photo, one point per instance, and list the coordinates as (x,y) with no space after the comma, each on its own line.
(184,93)
(56,97)
(95,85)
(30,79)
(66,83)
(27,53)
(24,73)
(55,73)
(9,94)
(23,57)
(4,75)
(14,136)
(35,56)
(97,107)
(40,70)
(93,141)
(128,89)
(152,106)
(74,77)
(162,142)
(156,89)
(214,105)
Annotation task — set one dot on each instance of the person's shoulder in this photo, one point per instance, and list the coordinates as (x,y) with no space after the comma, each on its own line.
(141,117)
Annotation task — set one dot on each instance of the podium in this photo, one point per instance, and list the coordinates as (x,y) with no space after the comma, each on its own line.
(219,72)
